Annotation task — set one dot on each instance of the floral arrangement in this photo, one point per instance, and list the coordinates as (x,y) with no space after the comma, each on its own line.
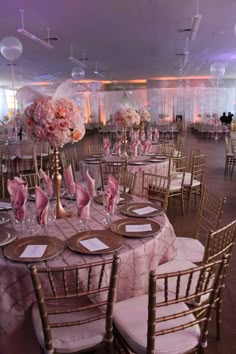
(208,115)
(57,121)
(215,115)
(126,117)
(145,116)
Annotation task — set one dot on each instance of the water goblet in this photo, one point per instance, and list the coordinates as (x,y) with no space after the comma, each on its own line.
(19,213)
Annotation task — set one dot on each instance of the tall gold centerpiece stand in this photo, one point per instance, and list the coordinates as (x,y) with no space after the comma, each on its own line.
(57,179)
(125,154)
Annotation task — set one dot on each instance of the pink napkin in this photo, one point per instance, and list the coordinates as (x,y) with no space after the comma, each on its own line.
(48,186)
(147,146)
(83,201)
(69,179)
(134,148)
(12,186)
(118,148)
(19,202)
(42,205)
(106,147)
(156,134)
(131,133)
(142,135)
(90,184)
(112,194)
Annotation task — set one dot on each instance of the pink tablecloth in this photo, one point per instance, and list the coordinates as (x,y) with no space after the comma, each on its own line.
(149,167)
(138,257)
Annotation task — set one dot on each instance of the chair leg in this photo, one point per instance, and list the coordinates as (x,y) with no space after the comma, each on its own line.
(182,203)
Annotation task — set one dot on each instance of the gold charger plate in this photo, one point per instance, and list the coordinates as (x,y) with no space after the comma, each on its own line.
(6,236)
(137,163)
(113,241)
(123,196)
(4,218)
(15,249)
(118,227)
(129,210)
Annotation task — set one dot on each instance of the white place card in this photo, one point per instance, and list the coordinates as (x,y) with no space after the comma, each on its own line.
(138,228)
(5,205)
(33,251)
(145,210)
(93,244)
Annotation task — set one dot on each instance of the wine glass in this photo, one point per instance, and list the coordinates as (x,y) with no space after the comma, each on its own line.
(84,214)
(109,209)
(20,214)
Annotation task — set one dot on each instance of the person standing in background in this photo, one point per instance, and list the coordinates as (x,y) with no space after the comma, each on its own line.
(223,118)
(229,118)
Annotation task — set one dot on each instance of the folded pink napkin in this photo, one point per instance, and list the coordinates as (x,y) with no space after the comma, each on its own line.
(147,146)
(112,194)
(47,182)
(106,147)
(131,133)
(69,180)
(12,186)
(19,202)
(156,134)
(83,201)
(42,205)
(118,148)
(134,147)
(90,184)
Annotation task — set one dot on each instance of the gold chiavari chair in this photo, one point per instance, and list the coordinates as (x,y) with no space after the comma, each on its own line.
(32,179)
(209,217)
(156,188)
(162,322)
(95,149)
(193,180)
(229,157)
(127,181)
(113,168)
(64,317)
(218,244)
(193,152)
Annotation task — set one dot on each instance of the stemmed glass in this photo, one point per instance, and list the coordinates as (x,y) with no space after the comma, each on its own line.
(109,211)
(84,214)
(20,217)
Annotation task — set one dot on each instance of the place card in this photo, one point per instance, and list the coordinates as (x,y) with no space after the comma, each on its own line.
(33,251)
(93,244)
(146,210)
(4,205)
(138,228)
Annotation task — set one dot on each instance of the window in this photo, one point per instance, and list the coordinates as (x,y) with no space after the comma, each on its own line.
(10,94)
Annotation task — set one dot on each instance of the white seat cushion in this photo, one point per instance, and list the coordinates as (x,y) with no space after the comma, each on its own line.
(130,317)
(189,249)
(187,181)
(73,338)
(175,185)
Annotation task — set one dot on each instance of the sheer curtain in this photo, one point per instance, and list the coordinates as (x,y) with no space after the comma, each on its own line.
(3,104)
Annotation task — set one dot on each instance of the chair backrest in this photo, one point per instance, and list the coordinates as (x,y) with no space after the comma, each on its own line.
(32,179)
(111,168)
(227,145)
(67,160)
(180,145)
(233,146)
(156,188)
(210,213)
(95,149)
(67,290)
(198,168)
(127,179)
(177,165)
(181,317)
(220,242)
(167,149)
(193,152)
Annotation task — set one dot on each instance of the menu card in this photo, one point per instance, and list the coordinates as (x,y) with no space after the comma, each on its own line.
(33,251)
(93,244)
(145,210)
(138,228)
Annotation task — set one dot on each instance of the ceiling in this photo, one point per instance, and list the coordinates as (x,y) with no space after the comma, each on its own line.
(126,39)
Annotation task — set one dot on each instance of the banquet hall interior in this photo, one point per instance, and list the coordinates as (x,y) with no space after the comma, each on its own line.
(118,154)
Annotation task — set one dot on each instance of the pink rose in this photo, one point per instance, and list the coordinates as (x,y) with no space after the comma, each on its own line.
(39,132)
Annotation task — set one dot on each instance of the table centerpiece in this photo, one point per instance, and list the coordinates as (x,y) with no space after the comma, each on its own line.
(57,120)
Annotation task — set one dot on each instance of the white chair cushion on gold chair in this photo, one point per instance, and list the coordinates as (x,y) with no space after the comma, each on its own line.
(190,249)
(73,338)
(187,181)
(175,185)
(130,317)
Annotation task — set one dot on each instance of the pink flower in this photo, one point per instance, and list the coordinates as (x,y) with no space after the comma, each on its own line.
(39,132)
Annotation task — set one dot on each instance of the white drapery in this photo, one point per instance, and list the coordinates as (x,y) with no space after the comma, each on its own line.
(3,104)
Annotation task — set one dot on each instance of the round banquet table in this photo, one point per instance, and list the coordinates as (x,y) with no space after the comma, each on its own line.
(160,168)
(137,257)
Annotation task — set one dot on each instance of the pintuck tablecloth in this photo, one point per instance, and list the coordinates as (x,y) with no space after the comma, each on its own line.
(138,257)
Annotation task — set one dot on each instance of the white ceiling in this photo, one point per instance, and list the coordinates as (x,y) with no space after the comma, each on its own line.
(131,39)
